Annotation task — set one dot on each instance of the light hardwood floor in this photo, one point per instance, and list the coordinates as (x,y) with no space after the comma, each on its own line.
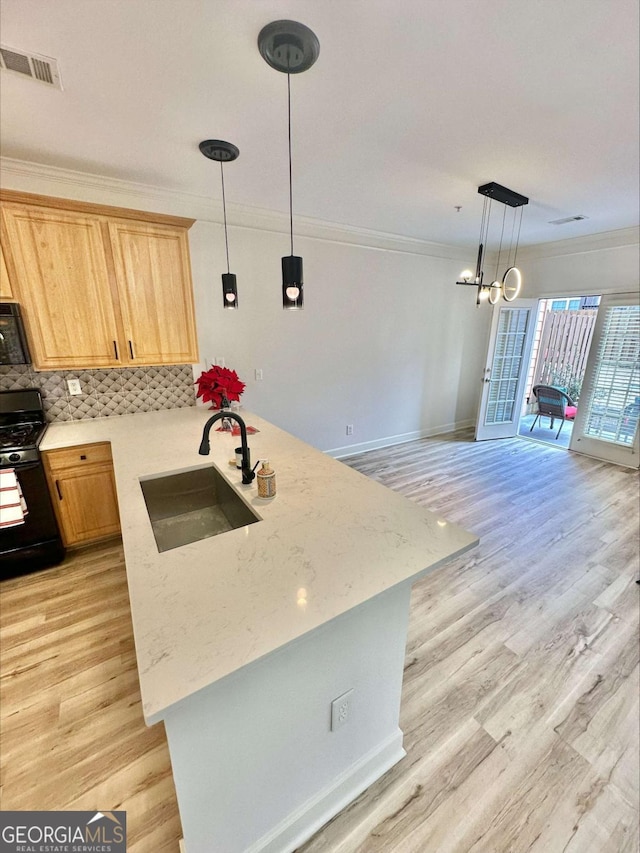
(72,735)
(520,698)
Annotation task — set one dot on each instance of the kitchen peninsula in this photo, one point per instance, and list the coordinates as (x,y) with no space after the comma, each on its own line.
(245,640)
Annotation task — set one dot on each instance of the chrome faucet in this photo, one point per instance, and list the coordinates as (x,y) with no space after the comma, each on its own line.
(247,473)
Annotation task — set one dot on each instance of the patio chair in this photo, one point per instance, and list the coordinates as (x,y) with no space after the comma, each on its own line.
(552,403)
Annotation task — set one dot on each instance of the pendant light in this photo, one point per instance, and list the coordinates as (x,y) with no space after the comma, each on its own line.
(223,152)
(291,48)
(510,284)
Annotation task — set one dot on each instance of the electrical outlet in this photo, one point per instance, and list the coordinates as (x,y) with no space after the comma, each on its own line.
(341,710)
(74,387)
(258,374)
(220,361)
(349,429)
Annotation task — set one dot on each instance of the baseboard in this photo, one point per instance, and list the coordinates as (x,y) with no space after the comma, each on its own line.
(403,438)
(301,824)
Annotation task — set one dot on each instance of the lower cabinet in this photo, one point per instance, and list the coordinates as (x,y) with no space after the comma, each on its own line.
(83,491)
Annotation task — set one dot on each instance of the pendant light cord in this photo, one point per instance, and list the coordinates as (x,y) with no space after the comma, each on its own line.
(224,214)
(513,228)
(485,242)
(484,218)
(290,171)
(504,216)
(515,256)
(481,242)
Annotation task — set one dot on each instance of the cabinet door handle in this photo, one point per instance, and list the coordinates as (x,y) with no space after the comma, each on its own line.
(115,349)
(58,490)
(131,350)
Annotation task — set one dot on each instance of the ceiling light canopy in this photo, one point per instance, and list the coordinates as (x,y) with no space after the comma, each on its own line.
(224,152)
(289,47)
(510,284)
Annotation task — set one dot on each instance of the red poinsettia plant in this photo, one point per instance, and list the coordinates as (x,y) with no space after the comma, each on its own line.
(219,382)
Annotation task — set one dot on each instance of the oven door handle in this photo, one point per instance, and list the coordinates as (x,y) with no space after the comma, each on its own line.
(25,466)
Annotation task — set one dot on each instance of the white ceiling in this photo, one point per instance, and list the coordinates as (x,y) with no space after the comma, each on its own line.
(411,105)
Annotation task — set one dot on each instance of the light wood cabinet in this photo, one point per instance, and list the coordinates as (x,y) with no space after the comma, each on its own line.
(83,492)
(6,293)
(64,287)
(99,287)
(158,321)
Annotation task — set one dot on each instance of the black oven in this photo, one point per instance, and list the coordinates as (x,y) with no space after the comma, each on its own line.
(13,341)
(29,535)
(35,543)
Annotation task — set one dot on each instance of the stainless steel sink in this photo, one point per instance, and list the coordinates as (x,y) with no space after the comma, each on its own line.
(191,505)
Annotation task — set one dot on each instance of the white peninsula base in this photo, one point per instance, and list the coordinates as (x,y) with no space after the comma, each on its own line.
(244,640)
(256,766)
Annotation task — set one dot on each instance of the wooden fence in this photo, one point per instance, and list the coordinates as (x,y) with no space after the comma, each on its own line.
(564,346)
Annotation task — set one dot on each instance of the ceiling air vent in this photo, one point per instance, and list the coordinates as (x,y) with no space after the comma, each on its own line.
(44,69)
(567,219)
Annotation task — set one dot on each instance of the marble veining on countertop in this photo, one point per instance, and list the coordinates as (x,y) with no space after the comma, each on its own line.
(330,540)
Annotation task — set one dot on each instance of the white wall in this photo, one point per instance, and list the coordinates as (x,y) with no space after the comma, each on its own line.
(606,263)
(386,341)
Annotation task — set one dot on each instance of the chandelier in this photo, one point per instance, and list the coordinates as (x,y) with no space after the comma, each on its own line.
(510,284)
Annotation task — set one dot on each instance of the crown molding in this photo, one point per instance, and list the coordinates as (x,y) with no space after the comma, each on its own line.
(581,245)
(38,178)
(26,176)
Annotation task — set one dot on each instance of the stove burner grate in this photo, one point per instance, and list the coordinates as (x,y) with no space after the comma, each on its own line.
(20,435)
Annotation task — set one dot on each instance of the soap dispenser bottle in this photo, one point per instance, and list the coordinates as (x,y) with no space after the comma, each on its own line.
(266,478)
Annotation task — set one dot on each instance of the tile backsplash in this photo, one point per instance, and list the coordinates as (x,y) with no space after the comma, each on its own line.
(105,393)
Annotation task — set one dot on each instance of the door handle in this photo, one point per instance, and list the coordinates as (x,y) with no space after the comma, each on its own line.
(115,349)
(131,350)
(58,490)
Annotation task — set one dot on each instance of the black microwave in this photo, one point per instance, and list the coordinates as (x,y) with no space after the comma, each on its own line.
(13,341)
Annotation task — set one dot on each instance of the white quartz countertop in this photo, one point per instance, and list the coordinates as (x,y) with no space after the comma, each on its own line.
(330,540)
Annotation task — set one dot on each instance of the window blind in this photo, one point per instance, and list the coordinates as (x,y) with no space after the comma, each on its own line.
(507,361)
(614,403)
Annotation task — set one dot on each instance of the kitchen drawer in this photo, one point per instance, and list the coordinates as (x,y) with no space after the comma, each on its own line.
(79,456)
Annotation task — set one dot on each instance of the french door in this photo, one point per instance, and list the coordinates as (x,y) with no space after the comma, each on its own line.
(510,340)
(606,424)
